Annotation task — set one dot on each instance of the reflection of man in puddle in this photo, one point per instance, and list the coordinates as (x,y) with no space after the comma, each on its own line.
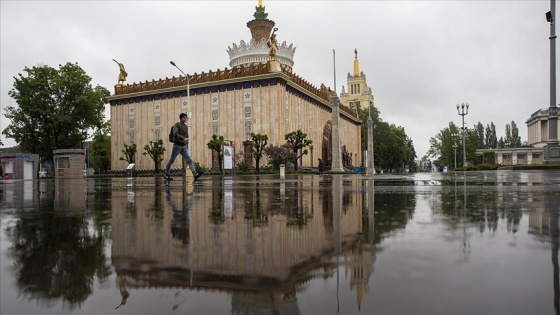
(124,292)
(180,222)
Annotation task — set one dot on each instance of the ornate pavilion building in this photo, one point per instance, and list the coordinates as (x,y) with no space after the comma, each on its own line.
(259,94)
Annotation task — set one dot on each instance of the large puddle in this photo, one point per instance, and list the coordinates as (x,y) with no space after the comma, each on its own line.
(452,243)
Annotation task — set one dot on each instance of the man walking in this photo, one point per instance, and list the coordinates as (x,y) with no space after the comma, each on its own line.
(181,136)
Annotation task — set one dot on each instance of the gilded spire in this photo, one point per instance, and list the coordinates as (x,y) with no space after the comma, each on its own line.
(260,3)
(356,63)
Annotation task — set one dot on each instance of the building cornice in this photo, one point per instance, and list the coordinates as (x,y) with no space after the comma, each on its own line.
(229,79)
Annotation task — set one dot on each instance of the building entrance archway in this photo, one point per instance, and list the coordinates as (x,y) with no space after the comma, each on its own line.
(326,145)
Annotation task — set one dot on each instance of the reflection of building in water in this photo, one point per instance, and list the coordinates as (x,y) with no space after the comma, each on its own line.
(70,195)
(259,264)
(540,220)
(18,194)
(362,259)
(363,255)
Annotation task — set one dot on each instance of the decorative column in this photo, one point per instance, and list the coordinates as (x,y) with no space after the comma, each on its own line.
(336,165)
(552,148)
(370,168)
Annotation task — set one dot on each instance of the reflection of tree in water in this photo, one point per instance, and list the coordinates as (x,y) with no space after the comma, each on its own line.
(100,209)
(216,214)
(286,200)
(254,211)
(56,256)
(156,210)
(392,212)
(483,210)
(298,213)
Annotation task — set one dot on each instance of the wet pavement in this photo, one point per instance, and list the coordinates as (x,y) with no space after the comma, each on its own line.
(430,243)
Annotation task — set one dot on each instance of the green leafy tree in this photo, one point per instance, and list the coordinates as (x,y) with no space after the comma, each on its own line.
(441,146)
(480,132)
(298,140)
(100,148)
(411,155)
(508,139)
(155,150)
(364,114)
(129,153)
(55,109)
(471,144)
(216,144)
(490,139)
(515,139)
(393,148)
(501,143)
(489,157)
(259,143)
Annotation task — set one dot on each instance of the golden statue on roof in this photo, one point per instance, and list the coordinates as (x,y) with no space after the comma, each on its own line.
(122,73)
(272,43)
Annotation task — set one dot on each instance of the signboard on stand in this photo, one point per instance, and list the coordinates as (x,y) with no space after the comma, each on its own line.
(228,157)
(228,151)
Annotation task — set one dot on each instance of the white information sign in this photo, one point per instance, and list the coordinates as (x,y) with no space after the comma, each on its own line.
(228,157)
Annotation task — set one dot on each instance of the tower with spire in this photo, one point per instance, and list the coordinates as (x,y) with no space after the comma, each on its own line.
(359,94)
(256,51)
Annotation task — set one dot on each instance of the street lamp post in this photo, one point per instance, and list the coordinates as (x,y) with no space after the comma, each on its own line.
(463,112)
(454,136)
(552,148)
(188,85)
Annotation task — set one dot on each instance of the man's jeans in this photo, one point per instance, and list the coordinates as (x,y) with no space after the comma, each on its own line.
(180,149)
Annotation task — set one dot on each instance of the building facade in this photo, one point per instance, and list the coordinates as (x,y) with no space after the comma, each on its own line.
(533,152)
(19,165)
(262,96)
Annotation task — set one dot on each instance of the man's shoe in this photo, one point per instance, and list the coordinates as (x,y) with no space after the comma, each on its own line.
(198,174)
(167,177)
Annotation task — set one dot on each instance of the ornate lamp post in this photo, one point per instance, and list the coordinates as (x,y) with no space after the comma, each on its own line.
(188,85)
(370,167)
(552,148)
(454,136)
(464,110)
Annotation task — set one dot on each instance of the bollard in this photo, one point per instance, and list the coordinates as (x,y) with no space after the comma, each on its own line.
(130,170)
(282,170)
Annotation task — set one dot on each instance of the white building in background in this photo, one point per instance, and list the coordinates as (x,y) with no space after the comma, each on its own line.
(533,153)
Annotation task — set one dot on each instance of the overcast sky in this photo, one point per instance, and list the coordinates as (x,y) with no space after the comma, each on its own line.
(421,58)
